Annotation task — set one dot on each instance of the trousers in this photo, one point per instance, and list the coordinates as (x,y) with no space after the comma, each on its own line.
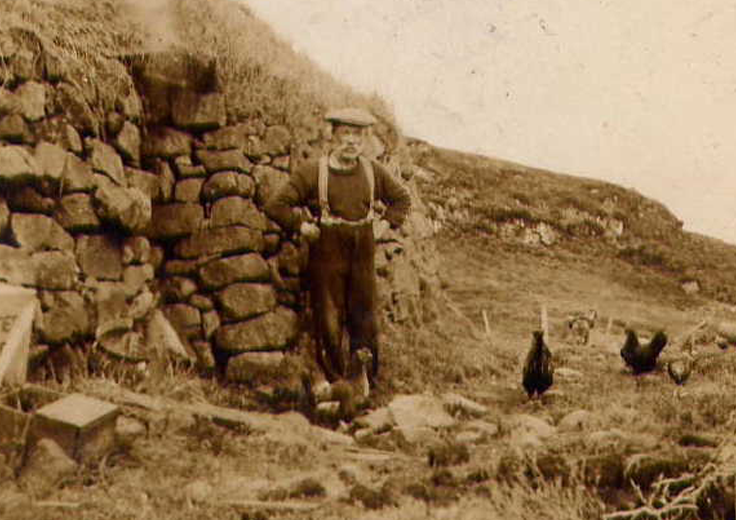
(342,288)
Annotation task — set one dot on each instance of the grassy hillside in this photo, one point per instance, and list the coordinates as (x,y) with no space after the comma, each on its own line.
(478,193)
(260,73)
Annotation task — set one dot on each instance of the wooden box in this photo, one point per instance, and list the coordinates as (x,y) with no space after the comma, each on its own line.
(84,427)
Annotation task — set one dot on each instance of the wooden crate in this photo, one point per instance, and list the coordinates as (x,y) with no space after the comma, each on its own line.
(84,427)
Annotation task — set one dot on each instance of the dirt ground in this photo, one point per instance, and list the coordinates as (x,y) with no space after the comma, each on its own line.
(189,468)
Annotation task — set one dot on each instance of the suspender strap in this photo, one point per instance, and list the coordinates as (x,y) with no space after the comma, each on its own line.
(326,216)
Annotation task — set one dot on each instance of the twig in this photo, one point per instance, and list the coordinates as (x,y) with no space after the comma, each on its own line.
(487,325)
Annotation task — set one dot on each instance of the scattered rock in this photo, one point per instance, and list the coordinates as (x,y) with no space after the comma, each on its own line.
(46,467)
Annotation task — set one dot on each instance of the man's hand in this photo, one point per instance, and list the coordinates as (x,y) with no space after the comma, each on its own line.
(380,227)
(309,231)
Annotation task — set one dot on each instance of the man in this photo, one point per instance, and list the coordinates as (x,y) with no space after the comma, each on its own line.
(339,190)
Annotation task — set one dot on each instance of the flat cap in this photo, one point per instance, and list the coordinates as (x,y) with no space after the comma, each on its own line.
(350,116)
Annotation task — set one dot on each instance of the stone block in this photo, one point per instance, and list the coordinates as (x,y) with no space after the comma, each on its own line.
(51,159)
(14,129)
(185,318)
(268,180)
(272,331)
(65,317)
(177,289)
(104,159)
(277,140)
(149,183)
(224,240)
(244,300)
(76,213)
(231,211)
(185,168)
(39,232)
(222,272)
(77,175)
(27,199)
(136,250)
(18,164)
(100,256)
(31,99)
(128,143)
(82,426)
(227,183)
(195,111)
(127,208)
(55,270)
(166,142)
(255,367)
(188,190)
(223,160)
(176,220)
(229,137)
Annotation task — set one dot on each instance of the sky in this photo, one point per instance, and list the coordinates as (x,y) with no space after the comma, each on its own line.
(641,94)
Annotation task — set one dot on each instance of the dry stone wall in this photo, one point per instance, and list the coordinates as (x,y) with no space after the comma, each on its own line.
(156,203)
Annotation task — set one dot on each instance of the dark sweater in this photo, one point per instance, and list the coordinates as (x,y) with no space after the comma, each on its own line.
(348,195)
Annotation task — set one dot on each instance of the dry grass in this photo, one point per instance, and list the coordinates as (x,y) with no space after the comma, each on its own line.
(260,73)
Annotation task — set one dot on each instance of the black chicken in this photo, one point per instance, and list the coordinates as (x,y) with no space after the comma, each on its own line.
(538,368)
(642,358)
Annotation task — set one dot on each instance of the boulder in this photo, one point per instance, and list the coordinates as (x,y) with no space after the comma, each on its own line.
(185,168)
(39,232)
(55,270)
(268,180)
(27,199)
(196,111)
(104,159)
(47,466)
(176,220)
(77,175)
(185,319)
(223,240)
(222,272)
(51,160)
(149,183)
(274,330)
(18,164)
(227,183)
(76,213)
(277,140)
(188,190)
(65,317)
(136,278)
(177,289)
(16,267)
(255,367)
(100,256)
(166,142)
(417,416)
(223,160)
(128,143)
(136,250)
(244,300)
(230,211)
(127,208)
(14,129)
(31,100)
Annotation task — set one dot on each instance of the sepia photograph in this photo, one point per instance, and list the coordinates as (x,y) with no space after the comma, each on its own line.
(362,260)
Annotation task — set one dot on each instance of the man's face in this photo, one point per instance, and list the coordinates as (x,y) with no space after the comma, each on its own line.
(349,141)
